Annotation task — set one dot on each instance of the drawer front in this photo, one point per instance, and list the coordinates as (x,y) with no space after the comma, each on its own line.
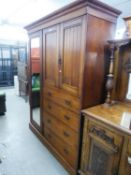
(108,137)
(68,152)
(64,99)
(69,118)
(61,130)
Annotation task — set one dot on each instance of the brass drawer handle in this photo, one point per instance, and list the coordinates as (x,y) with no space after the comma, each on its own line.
(67,102)
(66,134)
(66,151)
(66,117)
(49,94)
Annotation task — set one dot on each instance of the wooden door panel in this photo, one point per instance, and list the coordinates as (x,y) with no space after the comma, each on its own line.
(101,149)
(50,43)
(72,55)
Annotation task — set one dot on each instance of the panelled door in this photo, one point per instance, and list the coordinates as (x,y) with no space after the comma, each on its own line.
(51,55)
(72,54)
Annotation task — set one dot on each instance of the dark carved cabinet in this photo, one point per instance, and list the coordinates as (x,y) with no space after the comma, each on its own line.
(106,141)
(101,150)
(72,65)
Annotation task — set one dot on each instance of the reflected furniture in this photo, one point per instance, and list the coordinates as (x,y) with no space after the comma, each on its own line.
(35,90)
(22,72)
(2,103)
(106,145)
(72,70)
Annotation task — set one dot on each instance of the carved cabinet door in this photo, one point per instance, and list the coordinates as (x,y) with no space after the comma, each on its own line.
(72,54)
(51,55)
(101,151)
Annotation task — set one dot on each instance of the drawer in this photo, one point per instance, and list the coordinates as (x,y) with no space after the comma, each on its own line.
(69,118)
(109,137)
(64,99)
(67,152)
(61,130)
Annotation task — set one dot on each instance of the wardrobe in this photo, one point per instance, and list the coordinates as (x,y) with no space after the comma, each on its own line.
(73,66)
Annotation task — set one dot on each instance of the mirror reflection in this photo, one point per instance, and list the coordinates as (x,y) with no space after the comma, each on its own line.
(35,80)
(128,96)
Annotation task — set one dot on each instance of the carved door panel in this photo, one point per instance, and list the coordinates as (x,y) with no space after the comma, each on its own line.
(100,152)
(51,55)
(101,159)
(72,54)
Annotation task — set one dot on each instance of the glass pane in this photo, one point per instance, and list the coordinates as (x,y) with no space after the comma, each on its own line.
(129,88)
(35,69)
(36,98)
(36,115)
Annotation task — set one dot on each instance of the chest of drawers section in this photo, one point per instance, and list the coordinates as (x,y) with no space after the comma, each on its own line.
(61,125)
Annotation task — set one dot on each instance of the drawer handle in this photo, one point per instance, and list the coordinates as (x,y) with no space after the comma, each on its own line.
(129,160)
(66,117)
(66,151)
(49,94)
(49,121)
(49,106)
(66,134)
(67,102)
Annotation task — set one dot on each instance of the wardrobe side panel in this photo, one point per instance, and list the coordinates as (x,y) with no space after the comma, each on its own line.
(96,61)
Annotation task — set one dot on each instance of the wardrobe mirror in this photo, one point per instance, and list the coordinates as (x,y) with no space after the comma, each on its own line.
(35,80)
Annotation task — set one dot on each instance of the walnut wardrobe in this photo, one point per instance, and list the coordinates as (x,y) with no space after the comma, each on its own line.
(70,48)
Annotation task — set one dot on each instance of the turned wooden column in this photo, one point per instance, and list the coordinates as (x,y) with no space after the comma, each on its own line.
(114,45)
(110,76)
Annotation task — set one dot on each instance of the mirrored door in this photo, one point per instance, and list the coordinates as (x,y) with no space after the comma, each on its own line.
(35,79)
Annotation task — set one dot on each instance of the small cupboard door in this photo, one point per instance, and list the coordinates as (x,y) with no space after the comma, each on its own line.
(72,54)
(51,55)
(101,150)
